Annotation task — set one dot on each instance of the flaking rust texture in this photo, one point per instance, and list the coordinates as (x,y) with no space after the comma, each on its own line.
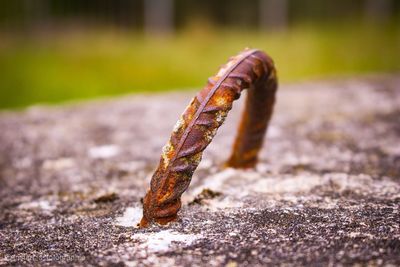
(325,192)
(251,69)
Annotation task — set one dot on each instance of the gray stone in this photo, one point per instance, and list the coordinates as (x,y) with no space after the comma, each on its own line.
(326,190)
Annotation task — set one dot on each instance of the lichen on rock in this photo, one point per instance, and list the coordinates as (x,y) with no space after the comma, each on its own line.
(326,190)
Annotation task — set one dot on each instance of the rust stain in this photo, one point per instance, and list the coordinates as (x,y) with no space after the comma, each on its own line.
(199,123)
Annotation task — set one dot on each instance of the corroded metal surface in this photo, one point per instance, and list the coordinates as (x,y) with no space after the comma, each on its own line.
(198,124)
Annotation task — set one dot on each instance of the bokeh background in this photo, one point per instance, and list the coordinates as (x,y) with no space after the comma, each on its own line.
(53,51)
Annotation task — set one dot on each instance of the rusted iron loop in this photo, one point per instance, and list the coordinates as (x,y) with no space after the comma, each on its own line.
(198,124)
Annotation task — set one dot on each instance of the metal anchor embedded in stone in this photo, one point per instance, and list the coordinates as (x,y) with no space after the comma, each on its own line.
(250,69)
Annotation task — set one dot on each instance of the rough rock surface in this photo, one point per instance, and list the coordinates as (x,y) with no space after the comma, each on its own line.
(326,190)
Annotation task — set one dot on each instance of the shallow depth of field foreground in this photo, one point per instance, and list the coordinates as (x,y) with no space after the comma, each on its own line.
(326,189)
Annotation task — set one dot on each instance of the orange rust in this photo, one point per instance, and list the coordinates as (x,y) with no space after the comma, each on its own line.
(198,124)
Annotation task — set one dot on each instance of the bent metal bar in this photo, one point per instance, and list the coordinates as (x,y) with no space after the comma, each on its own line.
(251,69)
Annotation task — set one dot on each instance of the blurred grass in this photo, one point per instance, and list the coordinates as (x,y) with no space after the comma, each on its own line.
(86,64)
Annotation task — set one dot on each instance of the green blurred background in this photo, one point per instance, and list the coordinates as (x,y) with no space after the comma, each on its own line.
(62,50)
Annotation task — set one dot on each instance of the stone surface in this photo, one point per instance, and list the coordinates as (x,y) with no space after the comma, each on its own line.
(326,190)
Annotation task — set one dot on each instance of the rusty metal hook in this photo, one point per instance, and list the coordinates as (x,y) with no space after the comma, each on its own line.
(198,124)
